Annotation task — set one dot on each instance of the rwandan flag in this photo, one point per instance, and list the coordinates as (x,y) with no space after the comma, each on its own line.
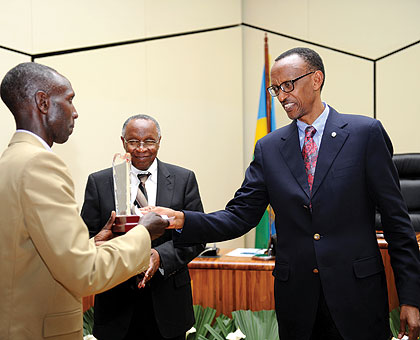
(262,232)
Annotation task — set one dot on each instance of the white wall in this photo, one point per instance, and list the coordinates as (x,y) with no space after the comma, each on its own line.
(398,102)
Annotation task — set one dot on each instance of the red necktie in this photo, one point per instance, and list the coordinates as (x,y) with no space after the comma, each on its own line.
(310,154)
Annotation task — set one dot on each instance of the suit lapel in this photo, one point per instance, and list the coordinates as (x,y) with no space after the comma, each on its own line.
(290,150)
(165,186)
(333,139)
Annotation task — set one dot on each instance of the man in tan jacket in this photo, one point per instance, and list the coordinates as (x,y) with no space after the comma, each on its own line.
(47,262)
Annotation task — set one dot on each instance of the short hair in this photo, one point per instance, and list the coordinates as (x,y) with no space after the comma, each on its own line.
(312,59)
(140,116)
(20,84)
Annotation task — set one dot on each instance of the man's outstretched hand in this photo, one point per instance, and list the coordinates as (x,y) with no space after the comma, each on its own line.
(155,224)
(176,218)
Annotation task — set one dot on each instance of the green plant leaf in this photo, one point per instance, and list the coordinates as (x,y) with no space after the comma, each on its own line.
(224,325)
(88,322)
(202,317)
(261,325)
(394,321)
(213,332)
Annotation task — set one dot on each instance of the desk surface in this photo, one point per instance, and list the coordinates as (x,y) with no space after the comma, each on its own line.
(247,263)
(384,245)
(230,262)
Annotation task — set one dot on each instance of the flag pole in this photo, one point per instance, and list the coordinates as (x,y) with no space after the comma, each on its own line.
(268,106)
(265,124)
(267,82)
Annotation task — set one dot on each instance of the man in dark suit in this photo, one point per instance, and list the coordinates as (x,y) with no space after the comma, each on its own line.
(157,304)
(324,175)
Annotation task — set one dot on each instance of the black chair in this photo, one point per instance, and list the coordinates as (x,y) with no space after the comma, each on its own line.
(408,167)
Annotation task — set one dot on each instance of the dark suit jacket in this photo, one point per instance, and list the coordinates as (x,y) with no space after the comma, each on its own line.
(354,173)
(177,188)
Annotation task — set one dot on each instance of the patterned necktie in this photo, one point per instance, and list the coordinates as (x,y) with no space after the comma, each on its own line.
(141,201)
(310,154)
(141,198)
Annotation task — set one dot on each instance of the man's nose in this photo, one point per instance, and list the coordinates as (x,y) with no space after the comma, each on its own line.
(141,147)
(282,96)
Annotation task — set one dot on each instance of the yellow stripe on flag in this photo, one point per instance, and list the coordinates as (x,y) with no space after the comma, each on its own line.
(261,129)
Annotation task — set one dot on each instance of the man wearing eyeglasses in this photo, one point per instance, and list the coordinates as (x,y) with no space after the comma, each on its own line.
(158,303)
(324,175)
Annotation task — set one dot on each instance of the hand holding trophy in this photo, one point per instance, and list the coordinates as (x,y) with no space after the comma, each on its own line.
(126,218)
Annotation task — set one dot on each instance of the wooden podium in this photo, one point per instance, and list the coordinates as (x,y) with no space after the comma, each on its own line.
(229,283)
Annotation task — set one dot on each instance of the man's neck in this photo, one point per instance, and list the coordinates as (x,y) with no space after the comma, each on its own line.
(27,122)
(315,113)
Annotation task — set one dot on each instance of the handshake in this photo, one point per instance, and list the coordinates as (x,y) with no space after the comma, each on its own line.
(155,219)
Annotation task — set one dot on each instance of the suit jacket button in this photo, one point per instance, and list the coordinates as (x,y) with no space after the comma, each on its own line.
(315,271)
(317,237)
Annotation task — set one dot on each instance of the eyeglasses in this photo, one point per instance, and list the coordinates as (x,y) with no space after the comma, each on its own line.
(147,144)
(286,86)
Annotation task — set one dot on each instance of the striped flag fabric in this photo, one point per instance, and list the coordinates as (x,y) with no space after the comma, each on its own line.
(266,122)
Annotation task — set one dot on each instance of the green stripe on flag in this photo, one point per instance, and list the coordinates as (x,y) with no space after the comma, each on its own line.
(262,232)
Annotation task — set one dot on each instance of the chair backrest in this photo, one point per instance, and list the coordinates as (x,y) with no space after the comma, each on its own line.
(408,167)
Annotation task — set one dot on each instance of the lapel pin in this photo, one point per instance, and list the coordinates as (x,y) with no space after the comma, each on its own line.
(333,134)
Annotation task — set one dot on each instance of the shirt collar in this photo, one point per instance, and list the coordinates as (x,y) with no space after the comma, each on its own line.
(43,142)
(152,169)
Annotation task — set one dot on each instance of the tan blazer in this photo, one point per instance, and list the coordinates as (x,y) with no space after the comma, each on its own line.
(47,262)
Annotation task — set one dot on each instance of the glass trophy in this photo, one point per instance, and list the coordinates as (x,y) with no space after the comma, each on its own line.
(124,221)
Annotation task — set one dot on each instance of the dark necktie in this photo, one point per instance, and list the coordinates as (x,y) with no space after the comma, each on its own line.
(310,154)
(141,197)
(140,201)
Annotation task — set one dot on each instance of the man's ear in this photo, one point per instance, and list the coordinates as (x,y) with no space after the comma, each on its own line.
(122,140)
(318,79)
(42,101)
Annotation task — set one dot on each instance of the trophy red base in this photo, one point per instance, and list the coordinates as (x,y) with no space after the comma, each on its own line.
(124,223)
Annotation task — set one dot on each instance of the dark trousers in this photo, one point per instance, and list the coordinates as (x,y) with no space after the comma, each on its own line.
(324,327)
(143,325)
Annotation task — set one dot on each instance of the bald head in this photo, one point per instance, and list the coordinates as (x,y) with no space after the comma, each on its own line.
(21,83)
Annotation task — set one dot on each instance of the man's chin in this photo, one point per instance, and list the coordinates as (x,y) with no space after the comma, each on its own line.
(141,165)
(292,115)
(62,140)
